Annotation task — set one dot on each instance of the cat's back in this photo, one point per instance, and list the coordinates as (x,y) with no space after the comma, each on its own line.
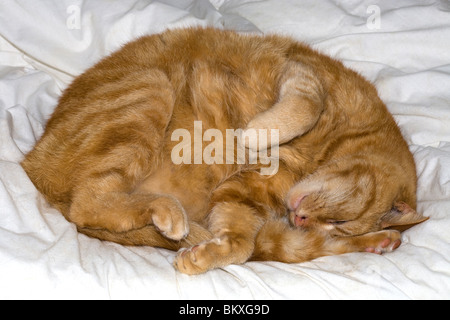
(218,77)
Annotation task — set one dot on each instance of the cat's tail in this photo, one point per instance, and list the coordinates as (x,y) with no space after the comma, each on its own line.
(277,241)
(150,236)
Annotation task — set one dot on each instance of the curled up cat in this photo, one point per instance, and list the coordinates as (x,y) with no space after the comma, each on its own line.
(113,161)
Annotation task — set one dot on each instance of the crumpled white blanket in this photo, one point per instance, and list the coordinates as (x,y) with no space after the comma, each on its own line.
(402,46)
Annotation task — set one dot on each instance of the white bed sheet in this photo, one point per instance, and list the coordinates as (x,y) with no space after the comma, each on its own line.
(405,51)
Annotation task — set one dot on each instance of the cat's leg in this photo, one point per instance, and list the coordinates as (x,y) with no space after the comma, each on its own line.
(106,199)
(301,102)
(235,227)
(240,206)
(279,242)
(121,147)
(121,212)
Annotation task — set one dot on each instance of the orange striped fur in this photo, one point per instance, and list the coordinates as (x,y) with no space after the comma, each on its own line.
(345,172)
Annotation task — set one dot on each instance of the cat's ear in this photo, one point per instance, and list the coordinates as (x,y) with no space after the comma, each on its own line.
(401,217)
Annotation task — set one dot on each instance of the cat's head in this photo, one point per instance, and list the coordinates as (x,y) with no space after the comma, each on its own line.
(346,199)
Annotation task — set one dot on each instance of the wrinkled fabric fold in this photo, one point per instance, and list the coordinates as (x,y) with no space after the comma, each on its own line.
(44,45)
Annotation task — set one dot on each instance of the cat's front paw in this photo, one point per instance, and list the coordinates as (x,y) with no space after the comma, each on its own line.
(194,260)
(205,256)
(383,242)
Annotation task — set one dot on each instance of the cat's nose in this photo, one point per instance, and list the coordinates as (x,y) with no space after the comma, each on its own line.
(301,221)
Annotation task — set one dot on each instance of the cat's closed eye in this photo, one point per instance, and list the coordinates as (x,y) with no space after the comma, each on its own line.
(336,222)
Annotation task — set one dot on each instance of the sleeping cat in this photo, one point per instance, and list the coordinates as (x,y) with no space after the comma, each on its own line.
(345,174)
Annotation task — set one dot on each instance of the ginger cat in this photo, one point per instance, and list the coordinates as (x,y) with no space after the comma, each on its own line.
(345,173)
